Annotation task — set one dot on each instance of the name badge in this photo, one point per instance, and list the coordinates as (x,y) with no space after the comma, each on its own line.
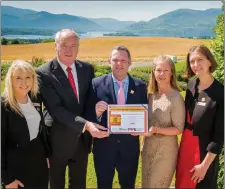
(36,104)
(201,103)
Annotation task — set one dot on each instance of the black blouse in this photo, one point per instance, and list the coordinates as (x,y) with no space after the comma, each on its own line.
(206,110)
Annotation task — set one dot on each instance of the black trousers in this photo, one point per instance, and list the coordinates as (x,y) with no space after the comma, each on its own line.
(124,160)
(77,167)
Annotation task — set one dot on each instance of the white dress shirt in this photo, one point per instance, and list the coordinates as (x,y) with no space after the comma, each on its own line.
(74,72)
(32,117)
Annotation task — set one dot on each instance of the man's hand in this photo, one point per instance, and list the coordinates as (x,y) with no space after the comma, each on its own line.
(100,107)
(14,184)
(96,130)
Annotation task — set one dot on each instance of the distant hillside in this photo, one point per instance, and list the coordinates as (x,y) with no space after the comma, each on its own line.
(45,20)
(181,22)
(111,24)
(16,11)
(24,18)
(178,23)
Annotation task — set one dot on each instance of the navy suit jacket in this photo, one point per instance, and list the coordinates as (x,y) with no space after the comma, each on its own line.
(103,88)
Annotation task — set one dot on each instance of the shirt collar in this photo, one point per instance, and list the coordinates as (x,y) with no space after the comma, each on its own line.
(64,67)
(125,80)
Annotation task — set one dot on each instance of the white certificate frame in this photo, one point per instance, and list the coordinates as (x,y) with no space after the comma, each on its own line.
(128,118)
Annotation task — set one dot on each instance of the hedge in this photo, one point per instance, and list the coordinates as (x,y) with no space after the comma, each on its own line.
(142,73)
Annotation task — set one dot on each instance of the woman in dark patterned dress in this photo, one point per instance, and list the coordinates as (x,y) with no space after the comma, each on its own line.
(203,136)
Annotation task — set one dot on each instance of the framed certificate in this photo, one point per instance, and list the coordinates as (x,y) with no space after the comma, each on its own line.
(128,118)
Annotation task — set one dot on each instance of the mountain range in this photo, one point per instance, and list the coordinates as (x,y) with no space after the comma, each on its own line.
(180,23)
(24,18)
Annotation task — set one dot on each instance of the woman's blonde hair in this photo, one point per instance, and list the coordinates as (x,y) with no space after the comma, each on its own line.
(153,86)
(8,94)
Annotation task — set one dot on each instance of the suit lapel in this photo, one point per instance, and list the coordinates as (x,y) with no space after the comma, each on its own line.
(80,78)
(36,102)
(131,90)
(111,90)
(199,110)
(63,80)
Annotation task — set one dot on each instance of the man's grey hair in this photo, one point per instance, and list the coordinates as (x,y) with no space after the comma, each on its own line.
(69,31)
(122,48)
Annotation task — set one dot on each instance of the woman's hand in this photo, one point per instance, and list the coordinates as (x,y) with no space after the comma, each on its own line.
(151,131)
(14,184)
(199,173)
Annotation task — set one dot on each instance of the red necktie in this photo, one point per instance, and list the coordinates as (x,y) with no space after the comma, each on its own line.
(71,80)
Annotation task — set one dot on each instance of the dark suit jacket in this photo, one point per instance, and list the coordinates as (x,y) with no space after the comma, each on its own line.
(68,116)
(15,138)
(104,90)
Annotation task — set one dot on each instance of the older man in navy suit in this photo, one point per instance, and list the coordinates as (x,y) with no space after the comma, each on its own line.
(119,151)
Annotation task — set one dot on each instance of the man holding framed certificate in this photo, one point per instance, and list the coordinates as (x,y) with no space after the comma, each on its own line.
(127,119)
(121,107)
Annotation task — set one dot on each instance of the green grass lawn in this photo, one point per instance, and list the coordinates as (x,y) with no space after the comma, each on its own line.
(181,65)
(183,93)
(2,86)
(91,177)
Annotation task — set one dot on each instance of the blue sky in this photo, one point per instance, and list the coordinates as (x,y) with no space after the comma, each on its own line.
(121,10)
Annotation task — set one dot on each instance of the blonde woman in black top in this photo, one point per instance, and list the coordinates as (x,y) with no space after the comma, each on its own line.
(24,151)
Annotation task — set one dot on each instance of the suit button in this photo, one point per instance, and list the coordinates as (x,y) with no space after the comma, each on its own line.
(17,145)
(118,141)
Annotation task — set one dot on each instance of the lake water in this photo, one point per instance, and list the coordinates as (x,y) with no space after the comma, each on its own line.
(83,35)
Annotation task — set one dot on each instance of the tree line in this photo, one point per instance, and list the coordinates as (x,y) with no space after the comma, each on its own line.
(5,41)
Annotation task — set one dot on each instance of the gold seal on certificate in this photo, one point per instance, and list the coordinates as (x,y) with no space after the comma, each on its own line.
(128,118)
